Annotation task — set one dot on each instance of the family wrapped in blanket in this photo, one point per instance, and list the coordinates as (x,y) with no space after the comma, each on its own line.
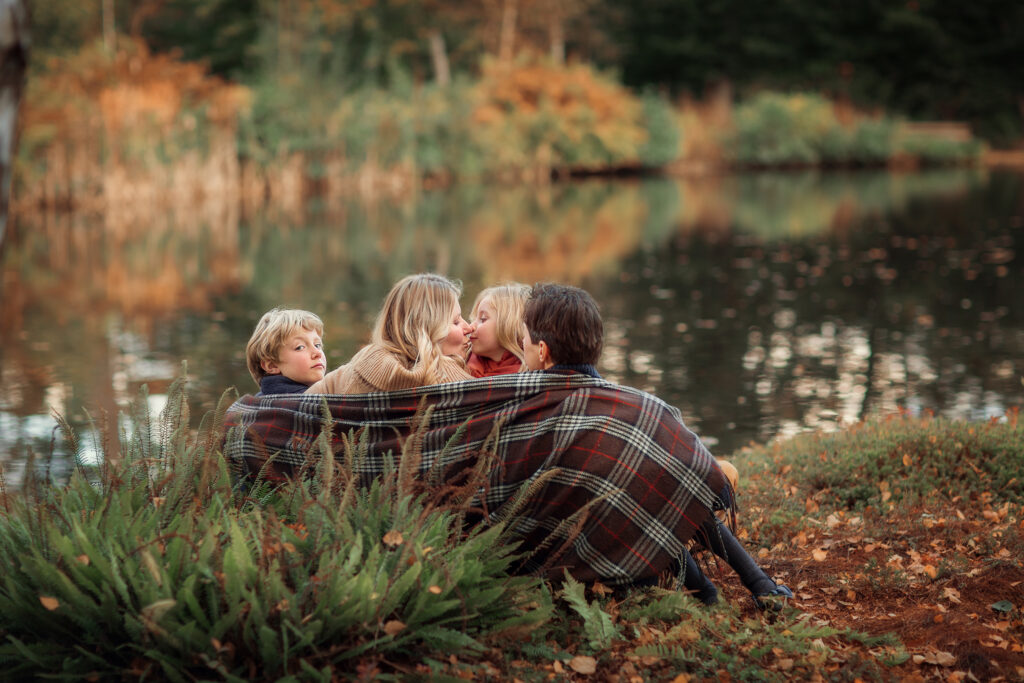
(644,482)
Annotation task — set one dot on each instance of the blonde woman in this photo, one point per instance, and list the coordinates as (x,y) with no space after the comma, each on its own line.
(498,330)
(419,338)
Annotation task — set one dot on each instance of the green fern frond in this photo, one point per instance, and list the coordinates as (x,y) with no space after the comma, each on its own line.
(598,625)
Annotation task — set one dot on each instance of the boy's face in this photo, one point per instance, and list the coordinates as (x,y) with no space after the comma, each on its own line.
(300,358)
(537,356)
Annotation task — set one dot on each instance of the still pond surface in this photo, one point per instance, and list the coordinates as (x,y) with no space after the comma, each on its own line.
(761,305)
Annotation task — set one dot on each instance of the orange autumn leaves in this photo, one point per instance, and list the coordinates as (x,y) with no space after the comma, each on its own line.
(537,114)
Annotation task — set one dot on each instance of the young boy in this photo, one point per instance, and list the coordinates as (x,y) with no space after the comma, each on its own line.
(285,354)
(564,332)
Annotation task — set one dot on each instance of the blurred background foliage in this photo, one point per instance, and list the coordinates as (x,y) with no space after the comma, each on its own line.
(296,98)
(930,59)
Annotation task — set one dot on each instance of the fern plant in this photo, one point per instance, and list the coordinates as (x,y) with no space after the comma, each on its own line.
(154,564)
(598,626)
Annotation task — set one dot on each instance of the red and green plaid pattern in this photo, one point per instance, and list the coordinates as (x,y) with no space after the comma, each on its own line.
(653,481)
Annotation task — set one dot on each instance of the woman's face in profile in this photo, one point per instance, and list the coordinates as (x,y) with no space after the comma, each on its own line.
(457,341)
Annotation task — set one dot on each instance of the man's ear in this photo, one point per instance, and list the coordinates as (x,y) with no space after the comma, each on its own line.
(544,354)
(270,366)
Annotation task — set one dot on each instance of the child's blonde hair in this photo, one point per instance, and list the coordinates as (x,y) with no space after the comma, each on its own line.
(508,301)
(270,334)
(415,319)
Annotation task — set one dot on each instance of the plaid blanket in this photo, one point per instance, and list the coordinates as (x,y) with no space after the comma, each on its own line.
(644,482)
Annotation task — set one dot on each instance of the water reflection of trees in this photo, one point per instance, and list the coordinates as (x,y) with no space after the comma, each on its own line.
(864,295)
(83,302)
(95,306)
(754,338)
(783,205)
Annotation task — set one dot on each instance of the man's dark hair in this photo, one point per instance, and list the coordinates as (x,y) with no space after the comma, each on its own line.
(567,320)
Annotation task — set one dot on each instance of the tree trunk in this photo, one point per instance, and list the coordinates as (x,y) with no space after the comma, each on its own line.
(14,46)
(506,44)
(108,26)
(439,55)
(557,33)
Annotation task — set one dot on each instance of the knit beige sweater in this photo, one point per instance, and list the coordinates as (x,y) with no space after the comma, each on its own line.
(376,369)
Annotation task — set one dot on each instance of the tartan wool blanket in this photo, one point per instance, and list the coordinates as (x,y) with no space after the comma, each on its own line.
(643,481)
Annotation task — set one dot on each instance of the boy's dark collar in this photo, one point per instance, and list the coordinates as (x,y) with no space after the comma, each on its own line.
(279,384)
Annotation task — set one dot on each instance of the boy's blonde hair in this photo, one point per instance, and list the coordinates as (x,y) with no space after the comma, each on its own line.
(270,334)
(415,319)
(508,301)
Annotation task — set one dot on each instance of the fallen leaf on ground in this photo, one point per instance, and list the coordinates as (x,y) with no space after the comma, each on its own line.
(583,665)
(939,658)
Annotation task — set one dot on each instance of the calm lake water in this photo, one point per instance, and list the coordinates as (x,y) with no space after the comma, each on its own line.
(762,305)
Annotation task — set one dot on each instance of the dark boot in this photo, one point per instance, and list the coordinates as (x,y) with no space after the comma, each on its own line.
(722,543)
(697,583)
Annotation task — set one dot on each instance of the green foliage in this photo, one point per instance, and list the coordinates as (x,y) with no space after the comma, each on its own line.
(598,626)
(153,564)
(775,129)
(934,150)
(664,136)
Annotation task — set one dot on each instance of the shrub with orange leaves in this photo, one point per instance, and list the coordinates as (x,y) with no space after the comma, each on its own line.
(90,116)
(534,114)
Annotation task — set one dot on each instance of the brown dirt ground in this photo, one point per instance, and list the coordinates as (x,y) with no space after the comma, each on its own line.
(932,587)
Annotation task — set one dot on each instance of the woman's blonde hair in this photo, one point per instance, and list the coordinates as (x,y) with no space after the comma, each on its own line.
(271,332)
(508,300)
(415,319)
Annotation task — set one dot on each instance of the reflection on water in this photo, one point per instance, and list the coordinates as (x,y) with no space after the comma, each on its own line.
(761,305)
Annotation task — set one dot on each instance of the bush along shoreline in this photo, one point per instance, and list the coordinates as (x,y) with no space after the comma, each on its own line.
(103,130)
(153,565)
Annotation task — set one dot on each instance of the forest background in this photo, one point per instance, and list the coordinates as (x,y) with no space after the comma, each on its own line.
(287,99)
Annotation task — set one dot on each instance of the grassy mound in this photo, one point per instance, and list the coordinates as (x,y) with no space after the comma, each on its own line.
(903,461)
